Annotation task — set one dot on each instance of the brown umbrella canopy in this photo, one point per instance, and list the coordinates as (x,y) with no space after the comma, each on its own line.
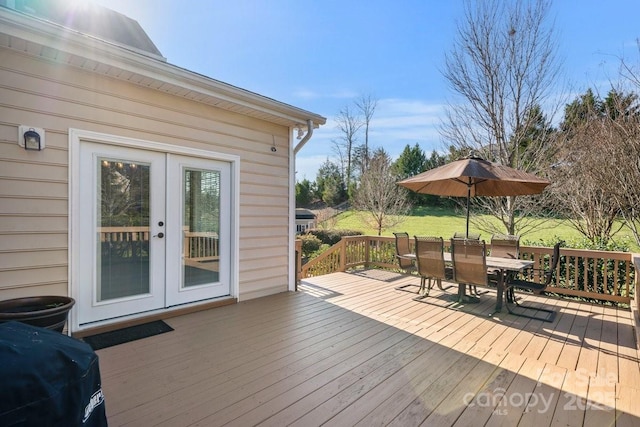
(473,176)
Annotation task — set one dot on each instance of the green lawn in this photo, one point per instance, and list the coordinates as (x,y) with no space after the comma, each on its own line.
(446,221)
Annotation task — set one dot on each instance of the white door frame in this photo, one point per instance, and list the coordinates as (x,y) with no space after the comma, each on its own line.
(76,136)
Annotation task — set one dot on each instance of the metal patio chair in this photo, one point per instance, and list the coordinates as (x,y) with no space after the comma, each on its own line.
(430,263)
(471,236)
(505,246)
(535,287)
(405,257)
(469,263)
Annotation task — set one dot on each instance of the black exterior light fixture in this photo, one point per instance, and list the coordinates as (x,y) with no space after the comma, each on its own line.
(31,138)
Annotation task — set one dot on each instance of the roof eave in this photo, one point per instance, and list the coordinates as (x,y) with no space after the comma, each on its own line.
(53,42)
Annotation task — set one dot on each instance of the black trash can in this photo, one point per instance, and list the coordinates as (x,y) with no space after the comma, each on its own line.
(48,379)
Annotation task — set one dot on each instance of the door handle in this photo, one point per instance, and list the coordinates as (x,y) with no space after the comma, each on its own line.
(159,235)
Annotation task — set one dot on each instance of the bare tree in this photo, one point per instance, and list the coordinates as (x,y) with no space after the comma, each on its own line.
(503,66)
(598,170)
(382,202)
(367,105)
(327,218)
(581,188)
(625,168)
(629,71)
(349,123)
(339,150)
(629,171)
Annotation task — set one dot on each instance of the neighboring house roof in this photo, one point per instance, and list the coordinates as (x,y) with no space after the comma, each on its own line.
(91,19)
(304,214)
(117,59)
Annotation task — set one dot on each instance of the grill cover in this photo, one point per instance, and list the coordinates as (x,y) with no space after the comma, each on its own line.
(48,379)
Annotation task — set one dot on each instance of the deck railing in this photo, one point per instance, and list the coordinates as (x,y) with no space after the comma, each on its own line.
(201,246)
(124,234)
(597,275)
(197,246)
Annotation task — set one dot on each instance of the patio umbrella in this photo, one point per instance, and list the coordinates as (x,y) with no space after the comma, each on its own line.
(472,176)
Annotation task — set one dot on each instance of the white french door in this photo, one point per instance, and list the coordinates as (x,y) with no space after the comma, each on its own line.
(154,230)
(198,191)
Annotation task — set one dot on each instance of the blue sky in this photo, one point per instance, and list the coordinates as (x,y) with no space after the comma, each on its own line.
(321,55)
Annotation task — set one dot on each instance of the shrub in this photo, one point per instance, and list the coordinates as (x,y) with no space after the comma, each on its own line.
(310,244)
(331,237)
(618,245)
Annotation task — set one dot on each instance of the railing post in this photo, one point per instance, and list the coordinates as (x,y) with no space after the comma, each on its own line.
(298,262)
(343,254)
(367,251)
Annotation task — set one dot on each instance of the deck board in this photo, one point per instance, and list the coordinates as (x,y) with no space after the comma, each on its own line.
(350,349)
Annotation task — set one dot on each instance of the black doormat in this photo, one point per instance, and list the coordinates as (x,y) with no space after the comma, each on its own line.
(132,333)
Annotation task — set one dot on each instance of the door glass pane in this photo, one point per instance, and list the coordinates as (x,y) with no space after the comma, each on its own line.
(123,229)
(201,227)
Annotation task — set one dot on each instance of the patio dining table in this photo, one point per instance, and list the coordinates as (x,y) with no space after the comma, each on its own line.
(504,267)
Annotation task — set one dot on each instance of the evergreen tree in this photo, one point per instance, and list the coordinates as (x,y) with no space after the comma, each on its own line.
(304,193)
(329,183)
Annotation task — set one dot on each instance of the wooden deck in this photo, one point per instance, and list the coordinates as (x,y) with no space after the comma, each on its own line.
(349,349)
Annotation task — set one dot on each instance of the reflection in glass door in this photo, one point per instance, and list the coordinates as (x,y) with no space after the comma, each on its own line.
(122,229)
(201,214)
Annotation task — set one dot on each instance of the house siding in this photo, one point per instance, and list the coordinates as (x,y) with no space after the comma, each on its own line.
(34,186)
